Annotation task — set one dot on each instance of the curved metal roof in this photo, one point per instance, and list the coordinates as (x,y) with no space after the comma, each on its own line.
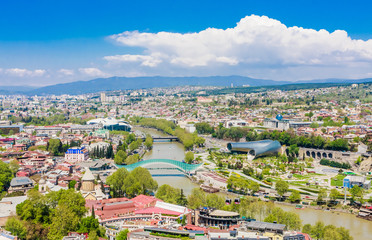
(259,147)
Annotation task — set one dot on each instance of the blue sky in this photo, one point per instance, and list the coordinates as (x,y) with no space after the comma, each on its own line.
(47,42)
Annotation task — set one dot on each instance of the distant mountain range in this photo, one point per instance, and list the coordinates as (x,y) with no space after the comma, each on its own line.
(128,83)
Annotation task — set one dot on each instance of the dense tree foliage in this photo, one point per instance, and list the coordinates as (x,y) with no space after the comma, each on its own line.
(242,184)
(290,219)
(169,127)
(281,187)
(122,235)
(198,199)
(135,144)
(55,147)
(6,175)
(356,192)
(120,157)
(132,159)
(189,157)
(52,216)
(204,128)
(148,141)
(131,184)
(331,163)
(295,196)
(53,119)
(326,232)
(102,152)
(171,195)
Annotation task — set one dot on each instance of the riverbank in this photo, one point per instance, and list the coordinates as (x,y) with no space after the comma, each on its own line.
(359,228)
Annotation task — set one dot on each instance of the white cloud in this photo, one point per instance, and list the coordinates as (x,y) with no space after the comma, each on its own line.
(150,61)
(39,72)
(67,72)
(21,72)
(92,72)
(256,42)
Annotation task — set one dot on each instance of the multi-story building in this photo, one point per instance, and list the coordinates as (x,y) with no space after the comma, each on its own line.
(76,154)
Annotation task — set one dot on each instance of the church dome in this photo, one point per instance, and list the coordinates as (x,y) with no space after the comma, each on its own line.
(88,175)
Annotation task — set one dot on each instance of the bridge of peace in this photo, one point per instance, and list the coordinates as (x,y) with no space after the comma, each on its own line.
(166,164)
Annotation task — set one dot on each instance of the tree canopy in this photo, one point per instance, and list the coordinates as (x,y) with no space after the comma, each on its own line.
(281,187)
(6,176)
(131,184)
(52,216)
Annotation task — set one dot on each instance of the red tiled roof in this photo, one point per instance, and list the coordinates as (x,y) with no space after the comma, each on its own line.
(194,228)
(156,210)
(143,200)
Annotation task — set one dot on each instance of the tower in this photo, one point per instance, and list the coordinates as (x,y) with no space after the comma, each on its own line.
(87,181)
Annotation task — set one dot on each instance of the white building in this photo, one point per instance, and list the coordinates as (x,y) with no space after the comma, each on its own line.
(76,155)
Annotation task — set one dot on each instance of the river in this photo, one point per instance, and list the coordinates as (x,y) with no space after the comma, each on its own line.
(359,228)
(168,150)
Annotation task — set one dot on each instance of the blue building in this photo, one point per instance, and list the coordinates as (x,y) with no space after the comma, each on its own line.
(361,181)
(76,154)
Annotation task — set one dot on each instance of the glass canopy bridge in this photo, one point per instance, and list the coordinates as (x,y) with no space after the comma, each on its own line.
(156,164)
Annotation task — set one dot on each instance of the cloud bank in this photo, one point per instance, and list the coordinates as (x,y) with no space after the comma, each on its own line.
(257,45)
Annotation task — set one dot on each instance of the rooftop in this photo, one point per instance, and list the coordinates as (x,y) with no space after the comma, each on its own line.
(221,213)
(20,181)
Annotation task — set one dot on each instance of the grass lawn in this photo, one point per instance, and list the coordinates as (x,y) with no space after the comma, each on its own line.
(337,181)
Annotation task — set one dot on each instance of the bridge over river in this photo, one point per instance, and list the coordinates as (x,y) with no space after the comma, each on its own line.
(168,164)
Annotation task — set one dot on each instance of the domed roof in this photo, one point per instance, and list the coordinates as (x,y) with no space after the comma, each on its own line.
(88,175)
(42,181)
(279,117)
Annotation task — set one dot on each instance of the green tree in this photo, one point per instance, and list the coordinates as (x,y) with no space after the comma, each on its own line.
(88,224)
(93,236)
(110,152)
(138,181)
(281,187)
(356,192)
(122,235)
(116,181)
(318,230)
(189,157)
(149,141)
(120,157)
(55,146)
(6,176)
(182,200)
(147,183)
(72,184)
(135,145)
(16,227)
(293,152)
(214,201)
(131,138)
(196,199)
(168,193)
(253,187)
(322,194)
(204,128)
(132,159)
(295,196)
(334,194)
(307,228)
